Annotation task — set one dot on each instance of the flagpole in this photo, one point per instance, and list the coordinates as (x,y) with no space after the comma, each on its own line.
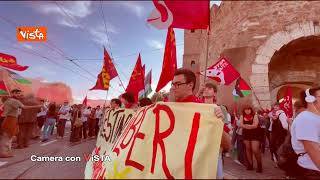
(106,98)
(255,94)
(207,52)
(121,83)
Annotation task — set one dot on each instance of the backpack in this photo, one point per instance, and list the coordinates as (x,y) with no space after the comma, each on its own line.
(288,158)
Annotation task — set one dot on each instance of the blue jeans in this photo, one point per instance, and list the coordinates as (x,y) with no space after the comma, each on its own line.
(48,127)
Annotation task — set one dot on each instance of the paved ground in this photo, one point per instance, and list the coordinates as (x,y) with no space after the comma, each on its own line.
(21,166)
(233,170)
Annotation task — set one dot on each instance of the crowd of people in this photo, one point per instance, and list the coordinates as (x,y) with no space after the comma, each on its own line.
(246,134)
(24,118)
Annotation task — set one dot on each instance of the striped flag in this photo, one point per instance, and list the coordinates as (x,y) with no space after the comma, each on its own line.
(18,78)
(3,88)
(241,89)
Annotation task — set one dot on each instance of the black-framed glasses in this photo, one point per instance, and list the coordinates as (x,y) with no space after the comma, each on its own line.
(178,84)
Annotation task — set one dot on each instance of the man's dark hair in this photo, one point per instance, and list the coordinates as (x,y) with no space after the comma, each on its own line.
(15,90)
(128,97)
(211,85)
(117,101)
(145,102)
(188,75)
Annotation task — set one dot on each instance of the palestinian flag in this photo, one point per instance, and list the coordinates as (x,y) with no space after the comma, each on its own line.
(3,88)
(18,78)
(241,89)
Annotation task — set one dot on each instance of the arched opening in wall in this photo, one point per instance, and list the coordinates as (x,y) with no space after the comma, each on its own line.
(192,64)
(298,62)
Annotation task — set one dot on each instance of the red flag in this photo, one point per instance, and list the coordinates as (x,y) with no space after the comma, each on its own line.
(136,82)
(169,65)
(10,62)
(286,104)
(180,14)
(107,73)
(85,101)
(223,72)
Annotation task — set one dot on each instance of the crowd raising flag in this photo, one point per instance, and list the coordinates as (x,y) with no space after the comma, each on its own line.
(10,62)
(3,88)
(136,82)
(169,64)
(241,89)
(222,71)
(180,14)
(286,104)
(18,78)
(107,73)
(85,101)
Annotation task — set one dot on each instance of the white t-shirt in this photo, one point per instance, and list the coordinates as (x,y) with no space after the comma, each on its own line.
(282,117)
(85,115)
(98,114)
(306,126)
(65,109)
(43,111)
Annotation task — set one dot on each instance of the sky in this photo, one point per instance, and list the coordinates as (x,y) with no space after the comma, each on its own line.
(76,30)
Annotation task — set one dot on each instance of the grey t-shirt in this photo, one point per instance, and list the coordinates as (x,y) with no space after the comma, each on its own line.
(11,107)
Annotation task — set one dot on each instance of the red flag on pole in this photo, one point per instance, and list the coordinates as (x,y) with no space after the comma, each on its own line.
(136,82)
(223,72)
(286,104)
(85,101)
(10,62)
(180,14)
(107,73)
(169,65)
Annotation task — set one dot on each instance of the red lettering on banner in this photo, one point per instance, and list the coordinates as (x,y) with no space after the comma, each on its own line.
(159,136)
(106,122)
(123,136)
(137,135)
(191,146)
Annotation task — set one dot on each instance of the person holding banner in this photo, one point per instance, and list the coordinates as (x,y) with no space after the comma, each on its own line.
(128,101)
(209,95)
(183,85)
(115,103)
(144,102)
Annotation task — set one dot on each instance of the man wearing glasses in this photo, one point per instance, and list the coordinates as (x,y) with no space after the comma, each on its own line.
(183,85)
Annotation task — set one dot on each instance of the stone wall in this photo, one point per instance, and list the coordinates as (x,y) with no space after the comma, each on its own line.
(249,33)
